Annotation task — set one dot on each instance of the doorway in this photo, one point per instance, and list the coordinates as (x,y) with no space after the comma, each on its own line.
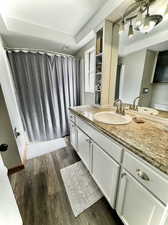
(11,157)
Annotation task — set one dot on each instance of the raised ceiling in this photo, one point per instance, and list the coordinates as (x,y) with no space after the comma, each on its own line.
(47,24)
(66,16)
(58,24)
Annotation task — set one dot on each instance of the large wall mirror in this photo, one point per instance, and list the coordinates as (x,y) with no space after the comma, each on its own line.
(143,68)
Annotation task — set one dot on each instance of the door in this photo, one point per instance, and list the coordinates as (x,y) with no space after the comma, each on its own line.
(8,90)
(105,172)
(9,212)
(136,205)
(11,157)
(73,135)
(84,145)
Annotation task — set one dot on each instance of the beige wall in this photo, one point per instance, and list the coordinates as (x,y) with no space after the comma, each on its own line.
(86,98)
(131,78)
(139,69)
(147,78)
(160,96)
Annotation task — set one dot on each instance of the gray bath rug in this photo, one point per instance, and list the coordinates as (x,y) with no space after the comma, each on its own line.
(81,189)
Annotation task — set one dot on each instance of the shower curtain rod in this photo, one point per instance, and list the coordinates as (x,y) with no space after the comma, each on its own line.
(38,50)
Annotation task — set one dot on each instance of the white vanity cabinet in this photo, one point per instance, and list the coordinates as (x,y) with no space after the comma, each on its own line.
(134,188)
(136,205)
(105,172)
(73,131)
(73,135)
(84,148)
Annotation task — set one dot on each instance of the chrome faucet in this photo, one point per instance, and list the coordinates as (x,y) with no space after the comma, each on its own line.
(120,107)
(135,106)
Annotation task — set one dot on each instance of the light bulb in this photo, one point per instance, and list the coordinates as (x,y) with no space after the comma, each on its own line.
(121,29)
(148,25)
(130,31)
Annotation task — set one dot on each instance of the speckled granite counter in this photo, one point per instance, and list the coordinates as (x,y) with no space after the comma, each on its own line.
(148,140)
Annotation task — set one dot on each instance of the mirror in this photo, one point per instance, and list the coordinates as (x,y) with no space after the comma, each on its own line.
(143,69)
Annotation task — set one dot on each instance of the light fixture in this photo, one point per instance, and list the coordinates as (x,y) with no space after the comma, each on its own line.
(139,18)
(131,30)
(150,21)
(121,28)
(142,23)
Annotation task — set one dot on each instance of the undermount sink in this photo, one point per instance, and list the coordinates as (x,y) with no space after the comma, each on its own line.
(112,118)
(148,111)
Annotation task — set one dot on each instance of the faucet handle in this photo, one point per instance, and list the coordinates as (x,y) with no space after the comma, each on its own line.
(123,110)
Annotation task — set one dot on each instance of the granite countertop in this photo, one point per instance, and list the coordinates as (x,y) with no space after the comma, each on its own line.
(149,140)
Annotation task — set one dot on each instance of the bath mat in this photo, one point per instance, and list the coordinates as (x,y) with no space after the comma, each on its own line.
(80,187)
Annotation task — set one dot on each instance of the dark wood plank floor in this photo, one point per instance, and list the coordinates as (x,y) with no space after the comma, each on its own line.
(41,195)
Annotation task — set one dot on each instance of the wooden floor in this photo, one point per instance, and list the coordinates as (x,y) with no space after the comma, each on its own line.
(41,195)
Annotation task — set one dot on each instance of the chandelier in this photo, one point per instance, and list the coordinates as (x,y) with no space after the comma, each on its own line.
(139,18)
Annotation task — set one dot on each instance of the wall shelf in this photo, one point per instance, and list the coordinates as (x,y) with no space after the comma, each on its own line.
(106,63)
(100,54)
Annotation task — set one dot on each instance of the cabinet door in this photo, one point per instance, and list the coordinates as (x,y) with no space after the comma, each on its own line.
(84,144)
(105,172)
(73,135)
(136,205)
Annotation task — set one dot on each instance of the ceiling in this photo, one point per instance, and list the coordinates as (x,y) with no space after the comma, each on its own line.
(67,16)
(54,21)
(67,25)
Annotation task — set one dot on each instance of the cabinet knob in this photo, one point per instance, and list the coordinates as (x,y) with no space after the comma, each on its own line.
(89,141)
(3,147)
(142,175)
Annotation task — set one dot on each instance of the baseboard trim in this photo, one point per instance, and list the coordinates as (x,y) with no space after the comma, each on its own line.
(15,169)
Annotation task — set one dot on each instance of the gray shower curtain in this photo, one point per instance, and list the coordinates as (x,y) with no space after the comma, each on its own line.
(46,86)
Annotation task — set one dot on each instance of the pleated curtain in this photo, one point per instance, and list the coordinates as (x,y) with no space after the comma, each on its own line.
(46,86)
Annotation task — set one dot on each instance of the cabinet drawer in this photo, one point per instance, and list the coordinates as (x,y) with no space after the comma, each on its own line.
(148,176)
(107,144)
(72,117)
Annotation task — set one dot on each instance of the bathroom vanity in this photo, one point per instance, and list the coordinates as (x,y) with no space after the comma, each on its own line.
(128,162)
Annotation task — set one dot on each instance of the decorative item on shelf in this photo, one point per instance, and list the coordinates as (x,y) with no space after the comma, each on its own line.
(98,85)
(99,43)
(138,12)
(98,67)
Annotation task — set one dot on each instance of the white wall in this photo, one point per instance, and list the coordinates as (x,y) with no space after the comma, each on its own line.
(160,96)
(131,76)
(86,98)
(6,83)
